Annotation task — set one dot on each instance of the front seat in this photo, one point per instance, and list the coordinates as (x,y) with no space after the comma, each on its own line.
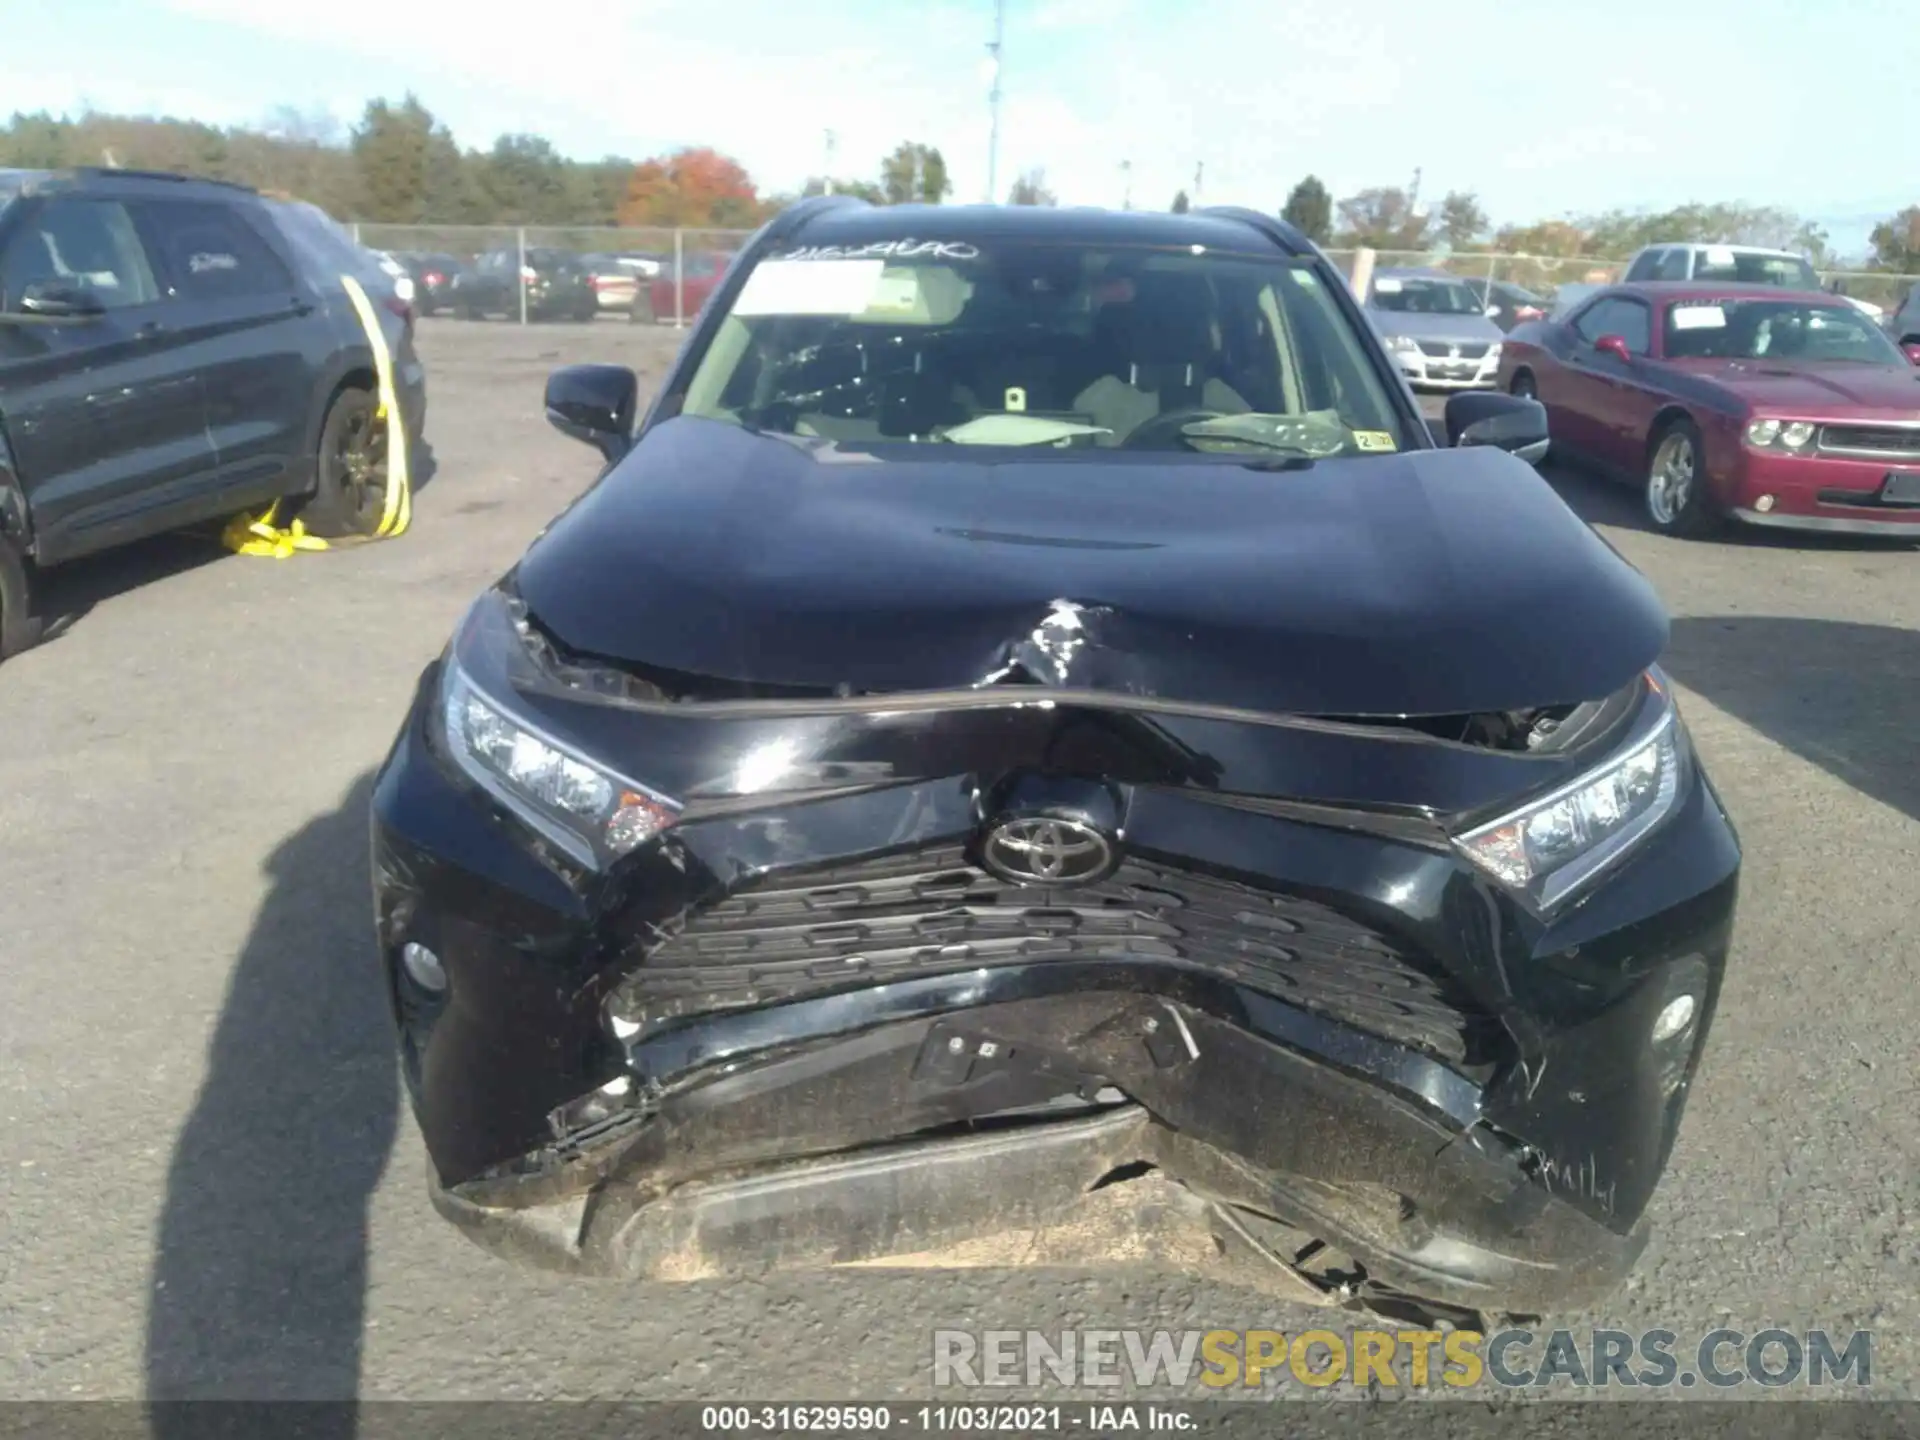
(1159,354)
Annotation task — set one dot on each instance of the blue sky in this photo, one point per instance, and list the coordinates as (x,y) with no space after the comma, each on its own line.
(1543,109)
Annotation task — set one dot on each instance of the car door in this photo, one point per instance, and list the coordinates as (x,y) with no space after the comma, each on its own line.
(1622,389)
(249,326)
(106,415)
(1587,399)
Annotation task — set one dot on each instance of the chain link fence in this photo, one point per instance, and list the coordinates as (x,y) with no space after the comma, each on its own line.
(663,275)
(529,273)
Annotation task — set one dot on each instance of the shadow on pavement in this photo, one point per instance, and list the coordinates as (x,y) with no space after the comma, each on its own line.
(260,1276)
(65,594)
(1837,694)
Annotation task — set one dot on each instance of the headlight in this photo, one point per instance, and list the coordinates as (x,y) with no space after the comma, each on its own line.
(590,812)
(1403,345)
(1493,351)
(1780,434)
(1551,848)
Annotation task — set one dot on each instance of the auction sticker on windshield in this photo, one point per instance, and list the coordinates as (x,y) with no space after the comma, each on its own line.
(796,287)
(1373,440)
(1699,317)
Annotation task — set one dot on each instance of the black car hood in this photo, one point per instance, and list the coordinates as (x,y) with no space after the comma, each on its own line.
(1434,582)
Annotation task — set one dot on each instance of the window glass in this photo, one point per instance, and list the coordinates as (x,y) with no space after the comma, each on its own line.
(1783,329)
(1673,264)
(211,253)
(1423,295)
(1050,346)
(84,244)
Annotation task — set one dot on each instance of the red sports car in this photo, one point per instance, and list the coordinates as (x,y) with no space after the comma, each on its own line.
(1741,401)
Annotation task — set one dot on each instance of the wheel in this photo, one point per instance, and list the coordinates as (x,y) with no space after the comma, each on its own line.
(642,311)
(1678,500)
(350,495)
(588,312)
(1524,387)
(19,626)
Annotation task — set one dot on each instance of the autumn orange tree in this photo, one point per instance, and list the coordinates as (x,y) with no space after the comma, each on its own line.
(695,186)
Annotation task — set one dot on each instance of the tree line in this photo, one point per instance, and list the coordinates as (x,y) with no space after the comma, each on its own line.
(400,165)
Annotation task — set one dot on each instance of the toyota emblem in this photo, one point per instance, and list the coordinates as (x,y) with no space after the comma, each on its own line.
(1453,352)
(1046,852)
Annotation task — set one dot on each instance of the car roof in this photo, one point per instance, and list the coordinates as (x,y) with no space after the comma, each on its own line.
(1717,245)
(96,178)
(1669,290)
(855,223)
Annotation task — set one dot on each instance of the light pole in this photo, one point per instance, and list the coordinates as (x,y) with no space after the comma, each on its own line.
(993,101)
(826,180)
(1199,169)
(1126,181)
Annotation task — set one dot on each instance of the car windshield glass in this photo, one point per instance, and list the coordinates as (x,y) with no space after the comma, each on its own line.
(1051,346)
(1790,272)
(1775,330)
(1424,295)
(10,183)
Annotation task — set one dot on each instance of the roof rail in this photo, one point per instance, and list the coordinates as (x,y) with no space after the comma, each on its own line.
(112,172)
(1280,232)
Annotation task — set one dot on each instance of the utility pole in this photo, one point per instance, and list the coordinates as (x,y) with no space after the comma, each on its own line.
(1199,169)
(826,181)
(1126,180)
(993,102)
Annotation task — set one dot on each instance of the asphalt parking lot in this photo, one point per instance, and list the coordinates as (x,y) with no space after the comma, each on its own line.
(208,1182)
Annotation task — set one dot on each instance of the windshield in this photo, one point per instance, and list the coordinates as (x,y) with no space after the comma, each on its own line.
(10,183)
(1423,295)
(1775,330)
(1057,346)
(1789,272)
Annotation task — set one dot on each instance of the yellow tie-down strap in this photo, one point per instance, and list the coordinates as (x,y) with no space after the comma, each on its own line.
(261,535)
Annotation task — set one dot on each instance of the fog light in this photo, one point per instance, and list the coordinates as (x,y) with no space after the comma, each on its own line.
(1763,504)
(423,966)
(1673,1019)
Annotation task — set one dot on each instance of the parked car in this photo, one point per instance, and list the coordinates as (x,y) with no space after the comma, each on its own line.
(1904,324)
(558,286)
(664,300)
(961,771)
(1780,409)
(1736,264)
(433,276)
(1567,296)
(1505,303)
(174,351)
(1436,329)
(615,284)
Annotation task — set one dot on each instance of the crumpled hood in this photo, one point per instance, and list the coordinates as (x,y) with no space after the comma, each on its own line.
(1437,582)
(1817,390)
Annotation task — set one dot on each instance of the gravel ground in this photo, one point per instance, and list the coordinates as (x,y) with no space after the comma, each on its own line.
(208,1182)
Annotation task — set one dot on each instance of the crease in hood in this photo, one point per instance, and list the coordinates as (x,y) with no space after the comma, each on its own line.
(1425,583)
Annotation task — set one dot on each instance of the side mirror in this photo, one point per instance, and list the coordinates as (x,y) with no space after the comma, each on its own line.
(60,300)
(1613,345)
(595,404)
(1911,348)
(1508,422)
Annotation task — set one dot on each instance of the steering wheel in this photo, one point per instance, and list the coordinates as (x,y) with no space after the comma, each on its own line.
(1153,434)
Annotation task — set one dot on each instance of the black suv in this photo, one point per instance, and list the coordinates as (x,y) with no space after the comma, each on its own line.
(174,351)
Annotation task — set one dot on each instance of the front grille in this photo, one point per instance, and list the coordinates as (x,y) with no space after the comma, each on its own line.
(1443,349)
(926,912)
(1890,441)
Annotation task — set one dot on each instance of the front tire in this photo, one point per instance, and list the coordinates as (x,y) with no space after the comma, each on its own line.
(350,495)
(1678,501)
(20,628)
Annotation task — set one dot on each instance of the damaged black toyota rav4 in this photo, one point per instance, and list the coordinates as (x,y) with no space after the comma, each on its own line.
(1034,752)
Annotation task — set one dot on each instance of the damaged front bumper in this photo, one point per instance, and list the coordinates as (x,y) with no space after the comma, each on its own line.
(1296,1045)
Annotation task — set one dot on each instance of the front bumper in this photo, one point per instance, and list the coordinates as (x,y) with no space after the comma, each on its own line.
(681,1076)
(1429,372)
(1821,493)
